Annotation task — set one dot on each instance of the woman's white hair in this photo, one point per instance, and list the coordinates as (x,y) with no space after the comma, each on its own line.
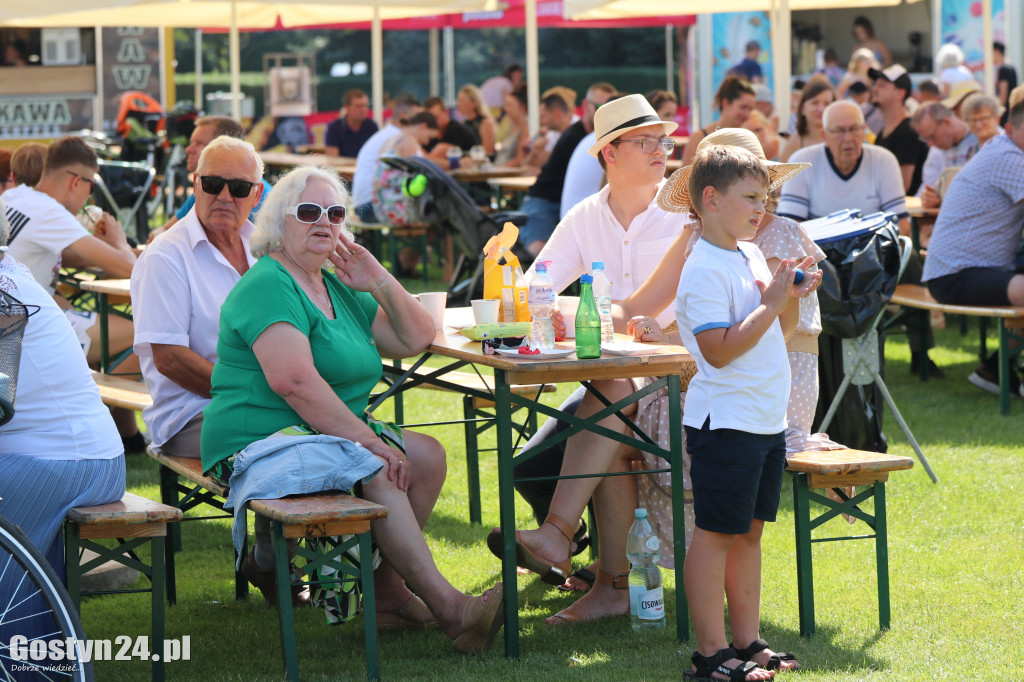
(978,101)
(268,234)
(949,56)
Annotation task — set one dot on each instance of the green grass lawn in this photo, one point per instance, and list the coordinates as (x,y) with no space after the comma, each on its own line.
(954,549)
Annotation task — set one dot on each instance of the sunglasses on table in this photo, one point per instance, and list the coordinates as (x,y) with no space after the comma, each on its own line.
(213,184)
(310,213)
(649,145)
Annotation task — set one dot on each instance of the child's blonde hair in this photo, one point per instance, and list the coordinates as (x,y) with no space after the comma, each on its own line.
(721,167)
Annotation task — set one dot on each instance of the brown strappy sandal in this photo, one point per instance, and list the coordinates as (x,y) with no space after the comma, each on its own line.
(552,574)
(619,581)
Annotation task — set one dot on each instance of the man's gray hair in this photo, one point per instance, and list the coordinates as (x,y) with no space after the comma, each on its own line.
(234,145)
(826,118)
(936,111)
(269,232)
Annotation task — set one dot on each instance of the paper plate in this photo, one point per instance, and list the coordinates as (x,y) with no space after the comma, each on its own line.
(627,348)
(543,355)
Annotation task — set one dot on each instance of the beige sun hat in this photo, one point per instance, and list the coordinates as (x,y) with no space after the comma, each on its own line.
(960,91)
(618,117)
(674,195)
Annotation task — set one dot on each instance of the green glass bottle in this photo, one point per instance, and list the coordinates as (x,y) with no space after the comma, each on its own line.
(588,322)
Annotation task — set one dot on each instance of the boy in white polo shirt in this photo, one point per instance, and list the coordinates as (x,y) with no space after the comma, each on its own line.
(728,307)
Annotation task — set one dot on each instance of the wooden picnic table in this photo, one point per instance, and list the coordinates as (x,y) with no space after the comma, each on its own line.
(108,293)
(920,217)
(285,161)
(666,362)
(485,174)
(514,183)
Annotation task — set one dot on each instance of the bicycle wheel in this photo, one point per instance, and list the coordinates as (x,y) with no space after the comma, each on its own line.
(35,605)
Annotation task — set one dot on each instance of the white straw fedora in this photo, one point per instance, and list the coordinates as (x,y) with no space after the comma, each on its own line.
(619,116)
(674,195)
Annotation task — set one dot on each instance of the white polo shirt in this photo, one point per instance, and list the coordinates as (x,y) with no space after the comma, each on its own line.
(366,164)
(41,229)
(178,286)
(590,232)
(583,175)
(875,184)
(717,289)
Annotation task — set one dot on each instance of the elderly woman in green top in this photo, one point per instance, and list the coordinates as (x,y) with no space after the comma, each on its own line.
(298,353)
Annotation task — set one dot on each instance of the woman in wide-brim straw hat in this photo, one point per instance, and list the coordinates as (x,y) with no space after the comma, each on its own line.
(776,237)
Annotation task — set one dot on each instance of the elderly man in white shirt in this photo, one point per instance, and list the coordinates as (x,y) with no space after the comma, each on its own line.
(622,226)
(179,284)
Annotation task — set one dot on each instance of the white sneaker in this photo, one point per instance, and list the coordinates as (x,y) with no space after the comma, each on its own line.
(983,380)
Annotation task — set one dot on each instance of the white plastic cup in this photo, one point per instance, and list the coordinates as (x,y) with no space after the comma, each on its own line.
(434,302)
(485,310)
(568,305)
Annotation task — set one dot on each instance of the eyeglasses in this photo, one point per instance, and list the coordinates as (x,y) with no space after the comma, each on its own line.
(92,183)
(213,184)
(649,145)
(980,119)
(311,213)
(840,132)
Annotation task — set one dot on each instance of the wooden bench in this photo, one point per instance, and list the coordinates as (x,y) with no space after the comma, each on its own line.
(917,296)
(477,417)
(310,516)
(837,469)
(319,516)
(133,521)
(122,391)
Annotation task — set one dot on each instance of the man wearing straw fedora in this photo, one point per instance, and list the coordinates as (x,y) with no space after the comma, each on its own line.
(622,226)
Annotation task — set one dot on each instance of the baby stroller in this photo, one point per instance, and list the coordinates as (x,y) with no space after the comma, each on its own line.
(447,206)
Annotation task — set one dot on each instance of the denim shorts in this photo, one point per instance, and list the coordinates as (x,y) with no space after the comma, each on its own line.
(736,475)
(542,218)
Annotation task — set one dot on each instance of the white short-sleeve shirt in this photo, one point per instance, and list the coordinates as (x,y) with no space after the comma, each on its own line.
(591,232)
(583,175)
(876,184)
(366,164)
(718,288)
(59,414)
(41,229)
(178,286)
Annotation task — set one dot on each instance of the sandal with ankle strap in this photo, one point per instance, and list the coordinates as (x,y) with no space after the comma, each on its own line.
(706,666)
(774,663)
(552,574)
(620,581)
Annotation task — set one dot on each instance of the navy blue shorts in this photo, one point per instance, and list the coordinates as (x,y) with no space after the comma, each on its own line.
(737,477)
(973,286)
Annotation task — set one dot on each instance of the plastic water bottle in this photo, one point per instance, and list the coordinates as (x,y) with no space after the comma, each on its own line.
(646,599)
(541,299)
(603,298)
(588,322)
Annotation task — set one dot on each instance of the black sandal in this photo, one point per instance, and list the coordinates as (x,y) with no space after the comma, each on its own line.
(707,665)
(774,663)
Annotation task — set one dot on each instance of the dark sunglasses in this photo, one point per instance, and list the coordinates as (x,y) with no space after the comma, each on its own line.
(310,213)
(214,185)
(92,183)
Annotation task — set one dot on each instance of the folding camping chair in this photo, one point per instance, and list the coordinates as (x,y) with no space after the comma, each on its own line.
(861,365)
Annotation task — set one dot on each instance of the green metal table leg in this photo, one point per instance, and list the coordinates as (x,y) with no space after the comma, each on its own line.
(804,571)
(102,307)
(284,602)
(507,505)
(1004,368)
(675,418)
(882,554)
(369,608)
(472,459)
(157,600)
(241,584)
(72,550)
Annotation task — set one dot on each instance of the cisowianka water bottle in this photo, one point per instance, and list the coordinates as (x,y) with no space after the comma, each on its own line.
(588,323)
(646,600)
(541,300)
(603,298)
